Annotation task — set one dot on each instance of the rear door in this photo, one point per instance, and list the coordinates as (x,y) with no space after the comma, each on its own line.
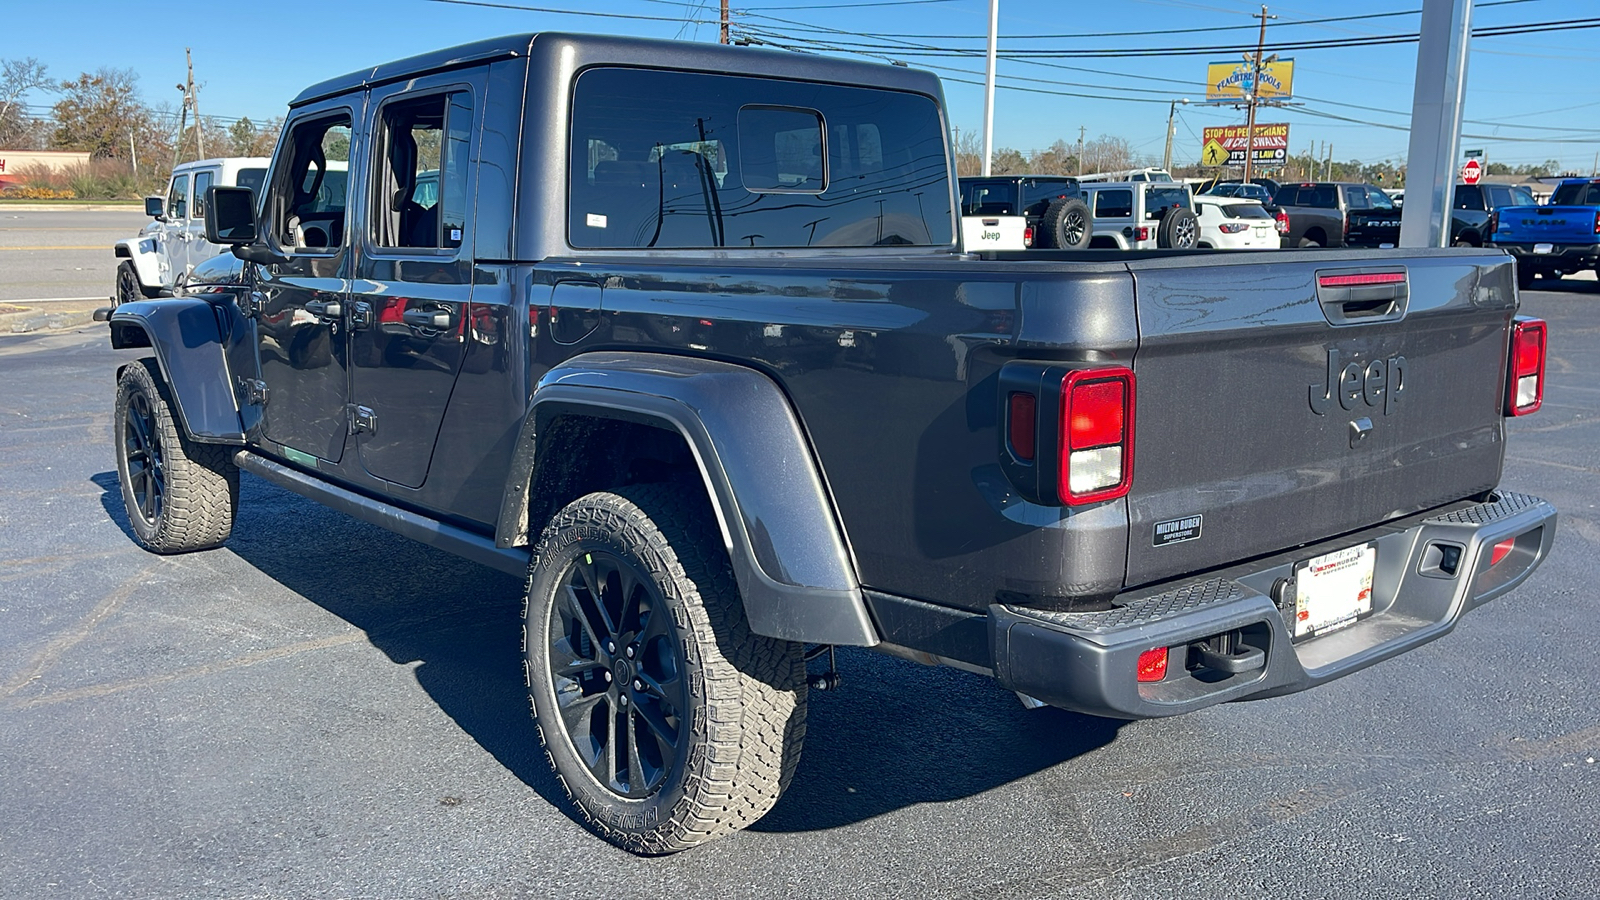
(173,244)
(413,280)
(198,248)
(1275,411)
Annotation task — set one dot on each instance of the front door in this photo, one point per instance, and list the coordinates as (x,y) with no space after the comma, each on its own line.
(411,295)
(302,326)
(172,258)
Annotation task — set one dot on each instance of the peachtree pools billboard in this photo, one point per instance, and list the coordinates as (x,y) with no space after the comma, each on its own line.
(1231,80)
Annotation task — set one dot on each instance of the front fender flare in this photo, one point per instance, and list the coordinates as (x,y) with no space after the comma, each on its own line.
(788,551)
(187,341)
(145,264)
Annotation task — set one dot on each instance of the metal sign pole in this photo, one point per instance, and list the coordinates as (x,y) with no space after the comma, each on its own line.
(988,87)
(1436,122)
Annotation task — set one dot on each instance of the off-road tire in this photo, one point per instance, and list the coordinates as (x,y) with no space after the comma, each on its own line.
(1179,230)
(1066,224)
(180,495)
(740,736)
(128,287)
(1309,243)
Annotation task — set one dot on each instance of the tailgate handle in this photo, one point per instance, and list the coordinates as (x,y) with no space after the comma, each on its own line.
(1359,296)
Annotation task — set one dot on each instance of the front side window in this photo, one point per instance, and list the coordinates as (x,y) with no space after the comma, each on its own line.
(310,195)
(1113,204)
(202,180)
(685,159)
(178,197)
(421,172)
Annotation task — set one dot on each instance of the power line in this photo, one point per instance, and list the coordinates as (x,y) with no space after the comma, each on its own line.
(569,12)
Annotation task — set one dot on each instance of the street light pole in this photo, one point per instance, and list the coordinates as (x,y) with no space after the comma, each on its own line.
(988,87)
(1166,158)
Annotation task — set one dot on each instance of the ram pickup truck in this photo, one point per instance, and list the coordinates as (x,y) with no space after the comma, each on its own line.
(1552,240)
(1474,206)
(1336,214)
(685,340)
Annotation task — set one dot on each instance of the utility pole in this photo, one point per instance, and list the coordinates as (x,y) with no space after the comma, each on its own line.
(194,104)
(1255,94)
(1166,158)
(1082,130)
(988,87)
(724,21)
(1329,175)
(183,115)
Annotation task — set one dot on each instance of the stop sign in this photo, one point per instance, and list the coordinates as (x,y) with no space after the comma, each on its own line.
(1471,172)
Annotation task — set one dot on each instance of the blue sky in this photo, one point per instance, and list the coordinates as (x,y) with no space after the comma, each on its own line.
(1532,96)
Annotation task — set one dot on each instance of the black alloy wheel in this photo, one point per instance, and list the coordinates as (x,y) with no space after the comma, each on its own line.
(128,289)
(147,477)
(618,676)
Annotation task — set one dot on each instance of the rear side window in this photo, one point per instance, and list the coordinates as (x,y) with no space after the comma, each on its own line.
(202,180)
(1042,192)
(1587,194)
(1470,196)
(1113,204)
(421,162)
(688,159)
(1356,198)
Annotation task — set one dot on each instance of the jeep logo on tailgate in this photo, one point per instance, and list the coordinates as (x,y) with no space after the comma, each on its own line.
(1378,383)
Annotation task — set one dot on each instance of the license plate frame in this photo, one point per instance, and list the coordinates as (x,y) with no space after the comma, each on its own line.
(1333,591)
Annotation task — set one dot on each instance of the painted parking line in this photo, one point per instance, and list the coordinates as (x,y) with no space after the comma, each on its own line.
(84,247)
(54,300)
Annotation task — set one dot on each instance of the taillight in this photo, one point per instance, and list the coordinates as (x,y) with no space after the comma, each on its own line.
(1283,222)
(1027,235)
(1525,381)
(1232,227)
(1597,221)
(1143,234)
(1494,221)
(1347,225)
(1096,460)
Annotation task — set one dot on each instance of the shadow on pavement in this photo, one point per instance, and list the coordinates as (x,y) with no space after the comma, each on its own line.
(898,734)
(1566,286)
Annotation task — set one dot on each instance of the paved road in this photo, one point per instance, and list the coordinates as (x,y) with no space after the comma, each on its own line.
(323,709)
(63,253)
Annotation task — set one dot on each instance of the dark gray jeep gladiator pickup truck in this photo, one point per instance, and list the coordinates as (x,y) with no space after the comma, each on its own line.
(682,334)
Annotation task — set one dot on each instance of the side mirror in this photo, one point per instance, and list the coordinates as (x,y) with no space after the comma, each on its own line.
(232,215)
(155,207)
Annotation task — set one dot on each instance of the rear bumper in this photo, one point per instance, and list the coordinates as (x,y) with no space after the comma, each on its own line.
(1087,661)
(1566,256)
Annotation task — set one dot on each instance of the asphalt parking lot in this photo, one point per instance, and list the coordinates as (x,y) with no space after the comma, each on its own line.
(321,708)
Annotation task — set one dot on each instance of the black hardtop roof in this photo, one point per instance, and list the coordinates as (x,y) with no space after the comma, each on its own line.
(648,52)
(1072,178)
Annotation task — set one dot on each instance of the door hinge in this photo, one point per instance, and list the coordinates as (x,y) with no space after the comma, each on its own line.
(360,315)
(251,303)
(362,418)
(254,391)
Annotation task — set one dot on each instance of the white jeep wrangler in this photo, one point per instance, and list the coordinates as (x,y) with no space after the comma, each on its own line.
(168,249)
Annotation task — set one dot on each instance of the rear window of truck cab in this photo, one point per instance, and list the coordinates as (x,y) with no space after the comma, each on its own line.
(1578,194)
(697,160)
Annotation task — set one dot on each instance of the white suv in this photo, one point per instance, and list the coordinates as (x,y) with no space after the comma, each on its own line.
(1142,215)
(169,248)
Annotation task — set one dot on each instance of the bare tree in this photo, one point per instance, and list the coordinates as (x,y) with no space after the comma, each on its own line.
(1108,154)
(103,113)
(1056,159)
(17,78)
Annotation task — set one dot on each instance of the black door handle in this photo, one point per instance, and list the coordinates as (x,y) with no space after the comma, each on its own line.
(426,318)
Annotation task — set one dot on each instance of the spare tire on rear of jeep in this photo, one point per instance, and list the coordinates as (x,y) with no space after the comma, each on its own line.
(1179,230)
(1066,225)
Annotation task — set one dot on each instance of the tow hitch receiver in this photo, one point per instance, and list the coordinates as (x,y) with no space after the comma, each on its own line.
(1226,653)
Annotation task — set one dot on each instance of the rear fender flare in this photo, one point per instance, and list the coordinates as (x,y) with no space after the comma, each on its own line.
(187,341)
(141,251)
(789,556)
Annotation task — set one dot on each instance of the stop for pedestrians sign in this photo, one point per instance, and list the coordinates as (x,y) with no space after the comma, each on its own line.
(1472,171)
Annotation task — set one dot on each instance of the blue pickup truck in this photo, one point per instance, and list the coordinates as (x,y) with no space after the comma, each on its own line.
(1554,240)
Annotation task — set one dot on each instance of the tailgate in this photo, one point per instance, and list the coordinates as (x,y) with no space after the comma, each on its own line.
(1243,448)
(1374,228)
(1549,224)
(979,233)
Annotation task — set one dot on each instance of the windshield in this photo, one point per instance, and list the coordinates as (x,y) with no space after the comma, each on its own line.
(1580,194)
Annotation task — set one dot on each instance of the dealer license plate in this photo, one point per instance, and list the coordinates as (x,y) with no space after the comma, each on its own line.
(1544,248)
(1333,590)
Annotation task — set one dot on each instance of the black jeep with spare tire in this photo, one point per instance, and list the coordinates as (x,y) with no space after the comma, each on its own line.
(1052,204)
(682,334)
